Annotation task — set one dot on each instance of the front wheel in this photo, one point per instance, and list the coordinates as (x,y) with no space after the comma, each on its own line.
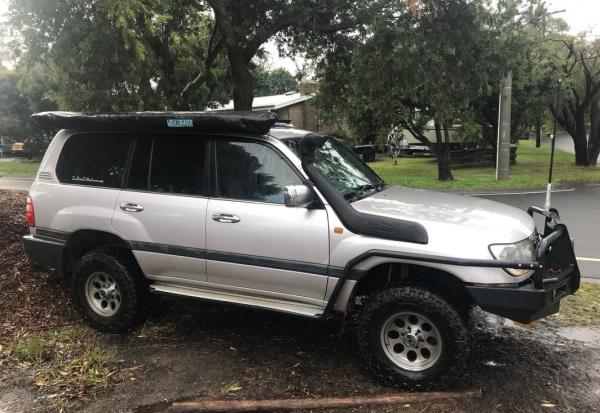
(413,339)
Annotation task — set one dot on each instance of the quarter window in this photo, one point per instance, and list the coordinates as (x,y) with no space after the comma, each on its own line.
(94,160)
(252,171)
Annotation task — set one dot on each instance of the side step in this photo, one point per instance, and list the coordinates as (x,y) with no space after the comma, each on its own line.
(306,310)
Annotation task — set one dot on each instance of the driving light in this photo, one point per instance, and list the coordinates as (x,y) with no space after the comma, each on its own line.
(519,251)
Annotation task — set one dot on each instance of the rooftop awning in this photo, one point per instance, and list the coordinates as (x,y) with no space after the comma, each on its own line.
(244,122)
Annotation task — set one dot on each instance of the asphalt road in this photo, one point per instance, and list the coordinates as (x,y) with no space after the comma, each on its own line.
(22,183)
(579,208)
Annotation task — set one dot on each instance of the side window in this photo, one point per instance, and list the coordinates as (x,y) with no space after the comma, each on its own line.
(94,160)
(252,171)
(140,164)
(169,163)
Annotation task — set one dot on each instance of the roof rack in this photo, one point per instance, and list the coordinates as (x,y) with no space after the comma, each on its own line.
(245,122)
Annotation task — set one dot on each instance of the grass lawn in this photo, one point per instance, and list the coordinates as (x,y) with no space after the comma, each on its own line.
(531,170)
(18,168)
(583,308)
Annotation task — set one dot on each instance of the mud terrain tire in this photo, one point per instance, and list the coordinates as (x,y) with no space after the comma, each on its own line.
(381,307)
(134,298)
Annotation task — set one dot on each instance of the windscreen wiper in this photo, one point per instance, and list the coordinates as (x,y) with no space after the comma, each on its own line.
(364,190)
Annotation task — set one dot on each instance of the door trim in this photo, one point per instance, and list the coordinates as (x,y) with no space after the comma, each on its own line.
(234,258)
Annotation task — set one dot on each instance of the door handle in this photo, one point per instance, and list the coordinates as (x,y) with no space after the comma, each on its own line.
(226,218)
(131,207)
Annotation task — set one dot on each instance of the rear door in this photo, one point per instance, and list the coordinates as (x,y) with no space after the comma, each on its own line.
(162,207)
(253,240)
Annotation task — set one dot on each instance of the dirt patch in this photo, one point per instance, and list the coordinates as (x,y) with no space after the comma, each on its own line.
(190,349)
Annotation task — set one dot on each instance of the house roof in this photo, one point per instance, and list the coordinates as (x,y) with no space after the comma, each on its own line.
(272,102)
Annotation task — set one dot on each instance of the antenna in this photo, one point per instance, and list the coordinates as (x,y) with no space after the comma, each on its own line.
(552,146)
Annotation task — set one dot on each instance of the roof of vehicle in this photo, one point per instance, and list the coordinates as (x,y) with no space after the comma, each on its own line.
(243,122)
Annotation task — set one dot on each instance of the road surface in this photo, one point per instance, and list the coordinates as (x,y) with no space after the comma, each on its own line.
(579,209)
(21,183)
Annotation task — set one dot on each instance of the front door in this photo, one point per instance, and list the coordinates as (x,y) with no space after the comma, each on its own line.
(162,207)
(253,241)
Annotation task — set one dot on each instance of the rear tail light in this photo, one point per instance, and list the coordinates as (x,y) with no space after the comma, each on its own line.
(30,214)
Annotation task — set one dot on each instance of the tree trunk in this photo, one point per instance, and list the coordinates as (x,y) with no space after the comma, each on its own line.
(538,132)
(594,141)
(243,93)
(239,56)
(574,123)
(580,140)
(443,153)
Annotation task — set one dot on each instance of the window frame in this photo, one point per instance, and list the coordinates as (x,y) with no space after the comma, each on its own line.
(213,193)
(206,170)
(98,135)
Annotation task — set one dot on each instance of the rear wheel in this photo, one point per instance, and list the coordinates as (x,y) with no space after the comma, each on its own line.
(413,339)
(110,291)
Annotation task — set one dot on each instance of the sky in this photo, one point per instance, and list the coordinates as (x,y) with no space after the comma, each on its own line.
(581,15)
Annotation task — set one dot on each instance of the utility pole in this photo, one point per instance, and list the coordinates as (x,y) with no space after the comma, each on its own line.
(503,144)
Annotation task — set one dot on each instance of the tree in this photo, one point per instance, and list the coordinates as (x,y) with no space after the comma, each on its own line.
(15,111)
(14,107)
(272,82)
(246,25)
(109,55)
(413,67)
(580,97)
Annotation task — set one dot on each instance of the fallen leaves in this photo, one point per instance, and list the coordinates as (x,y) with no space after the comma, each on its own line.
(231,388)
(69,363)
(32,300)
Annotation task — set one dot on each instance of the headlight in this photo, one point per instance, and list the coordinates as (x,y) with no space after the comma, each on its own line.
(519,251)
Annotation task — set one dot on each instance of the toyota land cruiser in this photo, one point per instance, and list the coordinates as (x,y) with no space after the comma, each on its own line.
(231,207)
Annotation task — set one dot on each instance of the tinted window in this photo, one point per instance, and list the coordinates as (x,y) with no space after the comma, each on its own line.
(95,160)
(140,164)
(252,172)
(173,164)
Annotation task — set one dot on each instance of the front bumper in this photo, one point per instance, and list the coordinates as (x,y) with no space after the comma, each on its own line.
(556,277)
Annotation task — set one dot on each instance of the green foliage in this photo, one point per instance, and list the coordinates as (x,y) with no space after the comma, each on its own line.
(303,25)
(15,108)
(438,62)
(272,82)
(469,133)
(110,55)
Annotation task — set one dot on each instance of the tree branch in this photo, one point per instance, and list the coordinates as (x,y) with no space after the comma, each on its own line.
(212,53)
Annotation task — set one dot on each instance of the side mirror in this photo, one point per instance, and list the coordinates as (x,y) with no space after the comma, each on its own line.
(298,196)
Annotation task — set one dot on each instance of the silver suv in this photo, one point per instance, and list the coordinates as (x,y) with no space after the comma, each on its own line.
(234,207)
